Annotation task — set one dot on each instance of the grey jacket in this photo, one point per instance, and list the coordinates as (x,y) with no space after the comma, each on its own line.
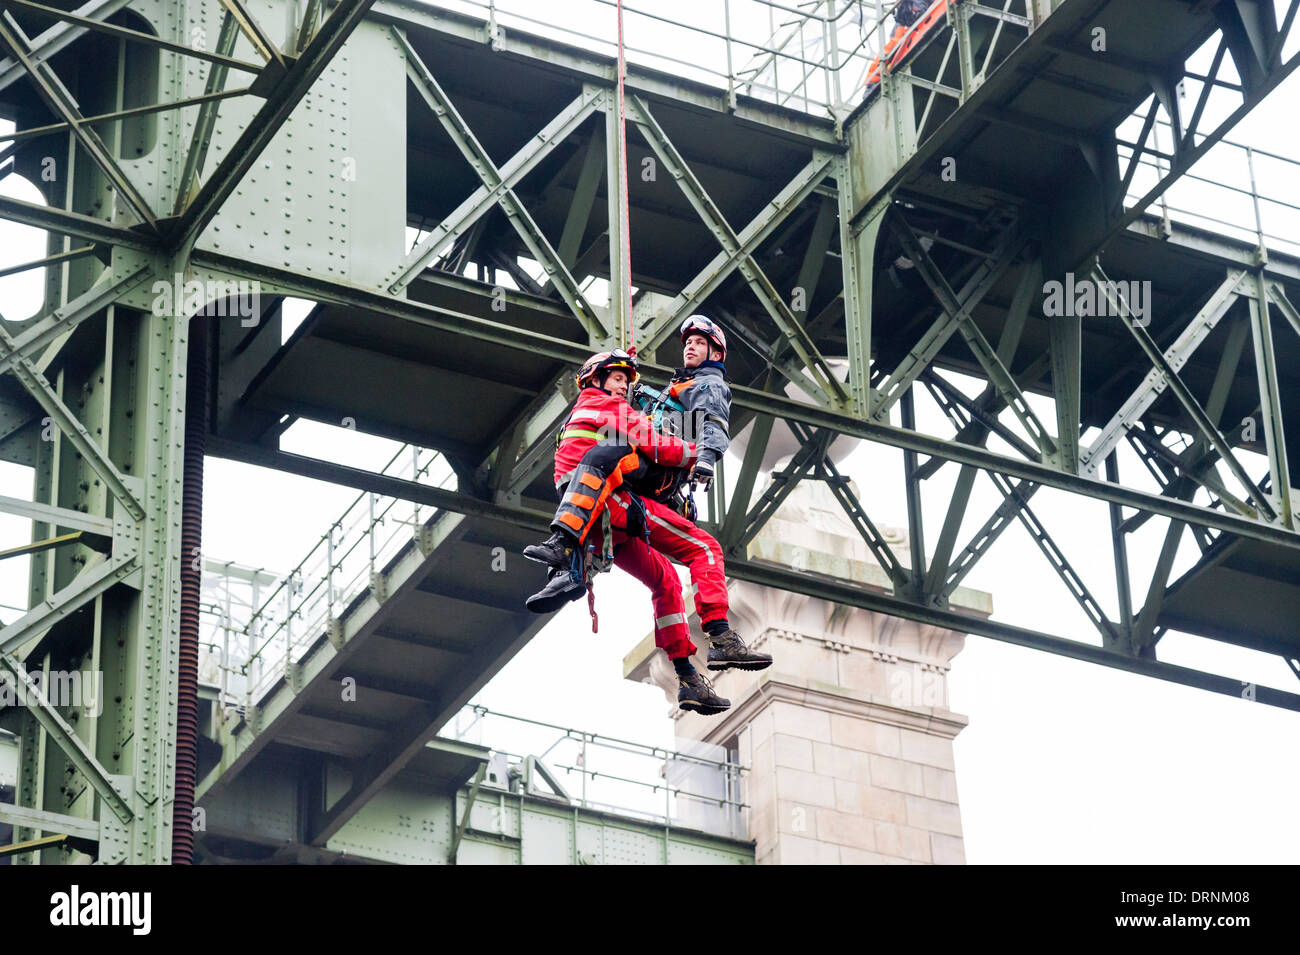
(707,403)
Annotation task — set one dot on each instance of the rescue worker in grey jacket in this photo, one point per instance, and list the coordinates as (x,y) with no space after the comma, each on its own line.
(696,406)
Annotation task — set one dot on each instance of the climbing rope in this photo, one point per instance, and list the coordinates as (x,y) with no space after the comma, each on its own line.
(627,333)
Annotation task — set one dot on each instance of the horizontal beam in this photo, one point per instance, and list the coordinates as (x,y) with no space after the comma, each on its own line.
(20,817)
(790,124)
(749,399)
(781,578)
(762,402)
(814,585)
(73,224)
(201,100)
(363,480)
(56,516)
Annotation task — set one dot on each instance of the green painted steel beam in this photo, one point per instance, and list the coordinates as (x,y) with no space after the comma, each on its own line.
(58,729)
(751,399)
(56,326)
(823,588)
(754,234)
(204,126)
(74,224)
(1183,393)
(56,516)
(58,37)
(488,196)
(25,818)
(62,102)
(498,189)
(823,385)
(819,586)
(101,26)
(86,587)
(263,127)
(1266,371)
(72,428)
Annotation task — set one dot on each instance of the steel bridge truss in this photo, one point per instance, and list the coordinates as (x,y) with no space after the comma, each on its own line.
(128,521)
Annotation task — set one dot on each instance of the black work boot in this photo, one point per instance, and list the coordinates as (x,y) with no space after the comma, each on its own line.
(728,651)
(559,590)
(555,551)
(695,693)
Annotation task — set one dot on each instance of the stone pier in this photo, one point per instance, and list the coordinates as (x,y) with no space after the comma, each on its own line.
(847,736)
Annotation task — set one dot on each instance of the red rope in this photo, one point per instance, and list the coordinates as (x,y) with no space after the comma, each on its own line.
(624,213)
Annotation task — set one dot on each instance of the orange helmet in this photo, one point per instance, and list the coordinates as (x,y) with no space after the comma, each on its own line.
(606,361)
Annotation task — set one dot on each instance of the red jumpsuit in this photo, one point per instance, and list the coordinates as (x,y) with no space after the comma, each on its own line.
(600,417)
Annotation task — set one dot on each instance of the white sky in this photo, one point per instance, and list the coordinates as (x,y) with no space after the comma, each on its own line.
(1062,762)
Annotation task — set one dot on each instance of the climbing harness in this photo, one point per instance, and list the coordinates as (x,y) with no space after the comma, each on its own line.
(654,404)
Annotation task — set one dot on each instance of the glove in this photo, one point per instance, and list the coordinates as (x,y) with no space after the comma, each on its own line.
(702,474)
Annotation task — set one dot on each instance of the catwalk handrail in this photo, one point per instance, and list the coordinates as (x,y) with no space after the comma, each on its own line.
(806,42)
(338,567)
(726,772)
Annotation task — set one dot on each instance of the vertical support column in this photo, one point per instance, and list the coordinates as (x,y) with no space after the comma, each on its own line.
(1119,545)
(615,188)
(959,16)
(915,523)
(140,647)
(30,791)
(857,257)
(1270,401)
(1066,351)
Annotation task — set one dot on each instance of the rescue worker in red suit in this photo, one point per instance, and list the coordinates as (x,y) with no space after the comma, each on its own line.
(604,443)
(913,19)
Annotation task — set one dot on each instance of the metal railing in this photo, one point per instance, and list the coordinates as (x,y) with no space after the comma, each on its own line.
(1253,212)
(811,55)
(815,55)
(699,789)
(257,623)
